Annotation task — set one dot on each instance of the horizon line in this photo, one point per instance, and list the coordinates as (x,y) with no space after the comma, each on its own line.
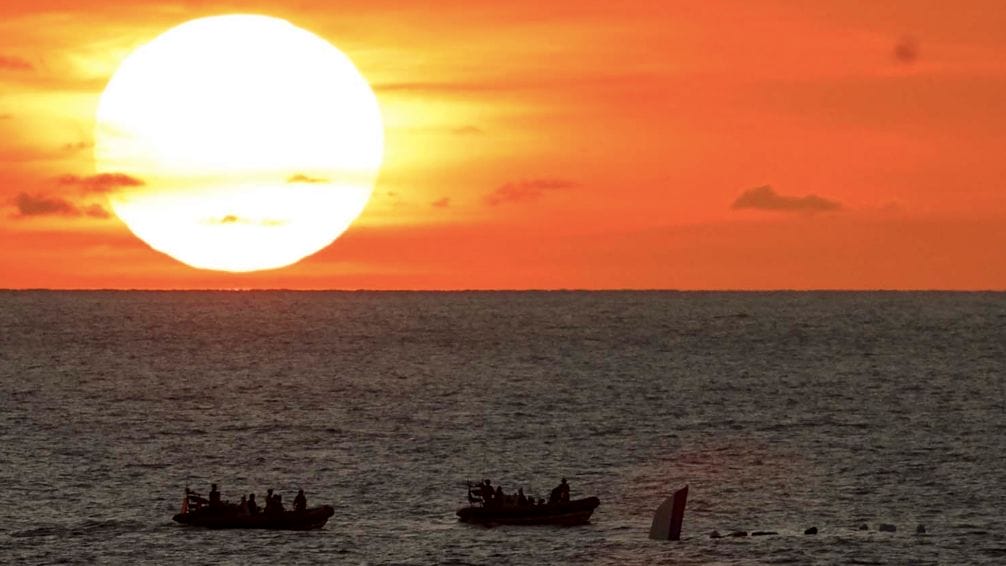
(492,290)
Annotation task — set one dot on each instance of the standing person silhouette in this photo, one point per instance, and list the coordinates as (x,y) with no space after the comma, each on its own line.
(560,493)
(214,496)
(270,501)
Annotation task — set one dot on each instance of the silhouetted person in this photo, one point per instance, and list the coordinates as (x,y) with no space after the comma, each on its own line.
(252,506)
(521,498)
(195,500)
(270,501)
(486,491)
(279,503)
(300,502)
(243,506)
(474,494)
(499,498)
(560,493)
(214,496)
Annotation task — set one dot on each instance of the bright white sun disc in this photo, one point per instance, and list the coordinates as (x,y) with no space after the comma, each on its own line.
(257,142)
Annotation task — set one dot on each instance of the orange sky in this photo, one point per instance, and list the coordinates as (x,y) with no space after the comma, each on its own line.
(678,145)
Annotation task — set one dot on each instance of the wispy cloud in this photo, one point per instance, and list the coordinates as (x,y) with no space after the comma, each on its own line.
(439,87)
(765,198)
(28,205)
(906,51)
(525,191)
(11,63)
(235,219)
(78,146)
(95,211)
(6,116)
(102,183)
(40,205)
(444,202)
(467,131)
(301,178)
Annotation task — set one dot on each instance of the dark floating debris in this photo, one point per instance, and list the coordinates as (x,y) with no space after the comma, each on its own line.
(763,533)
(669,516)
(864,527)
(811,531)
(920,530)
(887,528)
(737,534)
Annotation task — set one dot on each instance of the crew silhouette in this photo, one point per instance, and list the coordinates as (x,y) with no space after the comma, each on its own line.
(485,494)
(248,506)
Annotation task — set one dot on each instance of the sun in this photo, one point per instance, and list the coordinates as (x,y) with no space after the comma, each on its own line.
(257,143)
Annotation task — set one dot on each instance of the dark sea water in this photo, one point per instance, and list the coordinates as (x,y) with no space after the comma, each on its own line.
(782,411)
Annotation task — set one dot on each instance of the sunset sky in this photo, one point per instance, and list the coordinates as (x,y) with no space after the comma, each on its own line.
(590,145)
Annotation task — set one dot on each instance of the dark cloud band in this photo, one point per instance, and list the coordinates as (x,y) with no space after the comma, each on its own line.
(765,198)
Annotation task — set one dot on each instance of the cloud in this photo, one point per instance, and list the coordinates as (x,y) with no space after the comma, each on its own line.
(467,130)
(906,51)
(765,198)
(235,219)
(460,131)
(102,183)
(431,87)
(40,205)
(79,146)
(95,211)
(444,202)
(6,116)
(10,63)
(301,178)
(525,191)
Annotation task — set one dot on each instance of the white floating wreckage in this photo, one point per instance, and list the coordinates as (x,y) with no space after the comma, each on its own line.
(669,516)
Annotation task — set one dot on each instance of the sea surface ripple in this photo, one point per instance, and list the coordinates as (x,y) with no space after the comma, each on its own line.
(782,411)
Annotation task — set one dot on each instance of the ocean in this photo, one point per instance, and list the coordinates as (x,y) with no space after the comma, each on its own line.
(781,411)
